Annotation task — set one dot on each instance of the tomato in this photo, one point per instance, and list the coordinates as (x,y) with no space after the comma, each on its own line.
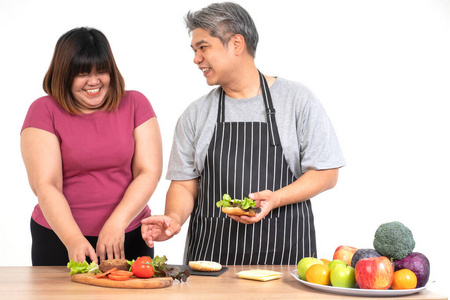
(122,273)
(118,277)
(142,267)
(319,274)
(105,273)
(404,279)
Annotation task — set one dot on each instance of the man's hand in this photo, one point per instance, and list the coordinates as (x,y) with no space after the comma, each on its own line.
(159,228)
(310,184)
(265,201)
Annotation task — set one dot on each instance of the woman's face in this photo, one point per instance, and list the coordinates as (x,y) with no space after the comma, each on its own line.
(90,89)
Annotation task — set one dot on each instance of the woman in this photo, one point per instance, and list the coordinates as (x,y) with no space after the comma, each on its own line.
(93,155)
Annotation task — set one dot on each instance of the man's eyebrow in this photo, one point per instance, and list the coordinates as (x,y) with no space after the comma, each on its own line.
(199,43)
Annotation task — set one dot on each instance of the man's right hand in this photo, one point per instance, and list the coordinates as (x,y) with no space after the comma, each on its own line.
(159,228)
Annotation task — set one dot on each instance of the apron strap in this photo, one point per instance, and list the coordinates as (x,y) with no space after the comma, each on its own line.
(270,110)
(274,136)
(221,112)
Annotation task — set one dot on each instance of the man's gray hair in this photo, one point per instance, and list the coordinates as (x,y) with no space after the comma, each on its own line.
(224,20)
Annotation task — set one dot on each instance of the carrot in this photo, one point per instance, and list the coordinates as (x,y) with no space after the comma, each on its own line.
(105,273)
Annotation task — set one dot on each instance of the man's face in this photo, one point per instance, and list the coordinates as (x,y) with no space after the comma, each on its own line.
(212,57)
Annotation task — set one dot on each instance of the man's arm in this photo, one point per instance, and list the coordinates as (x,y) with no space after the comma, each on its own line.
(310,184)
(180,200)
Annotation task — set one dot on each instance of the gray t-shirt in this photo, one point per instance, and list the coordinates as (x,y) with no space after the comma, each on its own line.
(306,133)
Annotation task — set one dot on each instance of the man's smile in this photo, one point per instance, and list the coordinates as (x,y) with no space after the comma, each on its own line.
(205,70)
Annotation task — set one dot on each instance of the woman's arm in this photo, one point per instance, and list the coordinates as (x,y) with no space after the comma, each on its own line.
(42,157)
(147,169)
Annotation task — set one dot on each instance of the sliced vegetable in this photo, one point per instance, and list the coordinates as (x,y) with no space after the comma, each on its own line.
(153,268)
(122,273)
(118,277)
(105,273)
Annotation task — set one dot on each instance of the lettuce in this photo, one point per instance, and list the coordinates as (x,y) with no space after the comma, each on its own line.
(84,267)
(247,203)
(161,269)
(227,202)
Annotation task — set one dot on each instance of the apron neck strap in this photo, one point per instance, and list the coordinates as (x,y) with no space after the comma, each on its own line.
(270,110)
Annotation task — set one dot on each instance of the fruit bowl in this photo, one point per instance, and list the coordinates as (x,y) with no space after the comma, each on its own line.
(356,291)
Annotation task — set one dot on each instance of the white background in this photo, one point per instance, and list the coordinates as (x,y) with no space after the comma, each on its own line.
(380,68)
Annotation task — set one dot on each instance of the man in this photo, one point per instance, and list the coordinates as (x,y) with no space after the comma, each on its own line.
(255,135)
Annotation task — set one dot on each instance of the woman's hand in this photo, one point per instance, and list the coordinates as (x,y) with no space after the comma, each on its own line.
(80,248)
(265,201)
(147,168)
(110,243)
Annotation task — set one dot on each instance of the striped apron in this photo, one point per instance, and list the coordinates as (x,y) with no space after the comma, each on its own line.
(245,157)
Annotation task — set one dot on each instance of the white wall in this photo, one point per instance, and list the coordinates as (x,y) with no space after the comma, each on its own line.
(380,68)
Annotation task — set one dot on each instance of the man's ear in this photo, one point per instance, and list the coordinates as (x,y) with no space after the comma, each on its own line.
(239,45)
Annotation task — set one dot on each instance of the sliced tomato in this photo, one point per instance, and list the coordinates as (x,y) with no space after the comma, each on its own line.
(122,273)
(105,273)
(118,277)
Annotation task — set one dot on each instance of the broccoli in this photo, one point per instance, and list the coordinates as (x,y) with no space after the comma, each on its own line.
(394,240)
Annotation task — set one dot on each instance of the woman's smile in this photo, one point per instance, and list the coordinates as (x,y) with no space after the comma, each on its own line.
(90,90)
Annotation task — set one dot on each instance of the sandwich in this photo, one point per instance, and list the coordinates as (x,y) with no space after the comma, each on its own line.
(237,207)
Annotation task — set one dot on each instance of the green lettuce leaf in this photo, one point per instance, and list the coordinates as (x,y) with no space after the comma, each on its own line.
(227,202)
(84,267)
(247,203)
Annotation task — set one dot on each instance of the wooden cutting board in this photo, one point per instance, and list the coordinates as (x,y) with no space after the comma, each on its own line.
(132,283)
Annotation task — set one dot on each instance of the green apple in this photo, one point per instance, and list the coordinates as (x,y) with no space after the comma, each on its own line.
(342,276)
(336,262)
(304,264)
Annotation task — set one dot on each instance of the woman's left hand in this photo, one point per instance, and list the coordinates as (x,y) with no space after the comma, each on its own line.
(265,201)
(110,243)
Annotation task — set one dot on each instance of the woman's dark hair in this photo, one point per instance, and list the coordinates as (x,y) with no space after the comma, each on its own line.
(79,51)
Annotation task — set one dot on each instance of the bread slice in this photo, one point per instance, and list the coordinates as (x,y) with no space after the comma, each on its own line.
(207,266)
(239,211)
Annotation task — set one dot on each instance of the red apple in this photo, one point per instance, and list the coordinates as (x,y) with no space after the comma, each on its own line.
(374,273)
(345,253)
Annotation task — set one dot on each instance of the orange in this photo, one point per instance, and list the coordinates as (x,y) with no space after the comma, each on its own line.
(404,279)
(325,261)
(319,274)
